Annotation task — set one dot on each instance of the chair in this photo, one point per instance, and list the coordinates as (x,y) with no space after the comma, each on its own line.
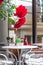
(5,52)
(2,58)
(12,57)
(6,60)
(34,59)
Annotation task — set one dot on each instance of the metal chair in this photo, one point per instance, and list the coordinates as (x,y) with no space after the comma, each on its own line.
(35,59)
(2,58)
(13,57)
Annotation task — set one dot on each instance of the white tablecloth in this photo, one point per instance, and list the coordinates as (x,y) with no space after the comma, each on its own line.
(18,47)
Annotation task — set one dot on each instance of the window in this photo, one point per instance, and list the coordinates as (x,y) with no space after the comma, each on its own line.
(41,5)
(40,22)
(21,2)
(28,38)
(26,29)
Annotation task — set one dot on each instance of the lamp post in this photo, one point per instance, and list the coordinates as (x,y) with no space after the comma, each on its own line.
(34,21)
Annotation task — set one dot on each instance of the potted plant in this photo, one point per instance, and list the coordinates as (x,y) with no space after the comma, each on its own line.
(19,41)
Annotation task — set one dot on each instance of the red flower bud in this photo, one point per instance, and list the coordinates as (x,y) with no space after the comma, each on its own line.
(20,23)
(21,11)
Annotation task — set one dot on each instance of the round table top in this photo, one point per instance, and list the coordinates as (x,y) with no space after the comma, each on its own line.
(18,47)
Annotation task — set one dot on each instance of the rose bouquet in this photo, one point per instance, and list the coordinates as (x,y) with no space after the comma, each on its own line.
(16,15)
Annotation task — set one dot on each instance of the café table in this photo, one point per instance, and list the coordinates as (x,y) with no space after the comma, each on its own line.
(19,47)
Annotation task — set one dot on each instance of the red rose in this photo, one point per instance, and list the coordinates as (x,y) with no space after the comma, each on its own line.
(20,23)
(21,11)
(1,2)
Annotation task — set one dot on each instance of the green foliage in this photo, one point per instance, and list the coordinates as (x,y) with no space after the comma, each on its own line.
(18,40)
(2,6)
(11,21)
(6,6)
(39,38)
(2,15)
(11,10)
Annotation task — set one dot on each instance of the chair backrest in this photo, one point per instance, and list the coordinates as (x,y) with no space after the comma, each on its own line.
(3,57)
(13,57)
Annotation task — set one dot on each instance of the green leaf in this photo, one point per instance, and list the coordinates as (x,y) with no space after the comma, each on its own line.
(18,40)
(13,6)
(9,8)
(2,15)
(11,21)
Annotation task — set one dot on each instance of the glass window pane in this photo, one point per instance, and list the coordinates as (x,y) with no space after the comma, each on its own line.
(39,20)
